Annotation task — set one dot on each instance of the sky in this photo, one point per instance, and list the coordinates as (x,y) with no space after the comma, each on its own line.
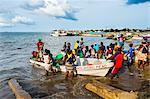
(47,15)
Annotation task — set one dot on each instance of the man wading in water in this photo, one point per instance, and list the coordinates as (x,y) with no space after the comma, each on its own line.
(40,46)
(69,62)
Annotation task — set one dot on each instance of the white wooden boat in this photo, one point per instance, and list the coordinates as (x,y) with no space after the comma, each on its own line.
(55,34)
(58,33)
(63,34)
(43,66)
(94,67)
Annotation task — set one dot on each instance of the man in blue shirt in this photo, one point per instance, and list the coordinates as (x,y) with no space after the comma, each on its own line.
(96,47)
(130,57)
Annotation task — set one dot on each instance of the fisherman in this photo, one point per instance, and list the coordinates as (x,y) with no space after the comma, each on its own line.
(48,60)
(81,42)
(121,40)
(68,48)
(130,57)
(69,62)
(140,58)
(114,54)
(35,55)
(92,52)
(46,57)
(81,55)
(108,52)
(87,53)
(100,53)
(112,48)
(76,45)
(116,46)
(145,52)
(102,46)
(96,47)
(40,46)
(118,64)
(65,47)
(84,50)
(51,57)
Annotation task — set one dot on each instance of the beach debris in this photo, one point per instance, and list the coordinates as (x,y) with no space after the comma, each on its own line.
(17,90)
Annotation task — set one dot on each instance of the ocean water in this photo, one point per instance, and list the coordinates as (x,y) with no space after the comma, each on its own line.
(15,52)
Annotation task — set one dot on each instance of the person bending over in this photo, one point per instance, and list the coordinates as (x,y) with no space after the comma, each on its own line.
(118,64)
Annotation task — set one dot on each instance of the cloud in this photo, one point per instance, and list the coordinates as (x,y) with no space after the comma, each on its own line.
(33,4)
(22,20)
(16,20)
(5,23)
(53,8)
(129,2)
(69,16)
(2,20)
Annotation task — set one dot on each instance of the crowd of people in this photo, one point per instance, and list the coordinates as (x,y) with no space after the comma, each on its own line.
(99,51)
(115,52)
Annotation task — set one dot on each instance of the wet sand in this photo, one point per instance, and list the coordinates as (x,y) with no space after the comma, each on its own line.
(133,83)
(56,87)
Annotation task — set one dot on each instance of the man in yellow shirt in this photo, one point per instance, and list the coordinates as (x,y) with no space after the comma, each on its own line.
(76,45)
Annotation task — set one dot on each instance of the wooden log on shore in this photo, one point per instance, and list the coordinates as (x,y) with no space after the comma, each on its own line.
(17,90)
(108,92)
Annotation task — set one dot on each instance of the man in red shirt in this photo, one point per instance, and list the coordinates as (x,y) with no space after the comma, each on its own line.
(40,46)
(118,63)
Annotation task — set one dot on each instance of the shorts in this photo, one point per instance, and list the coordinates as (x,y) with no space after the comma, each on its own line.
(40,54)
(69,67)
(121,44)
(142,56)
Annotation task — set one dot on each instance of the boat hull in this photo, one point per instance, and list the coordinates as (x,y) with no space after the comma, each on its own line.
(41,65)
(100,69)
(93,70)
(55,35)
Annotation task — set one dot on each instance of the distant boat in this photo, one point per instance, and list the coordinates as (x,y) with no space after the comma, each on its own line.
(71,34)
(57,33)
(54,33)
(92,35)
(63,34)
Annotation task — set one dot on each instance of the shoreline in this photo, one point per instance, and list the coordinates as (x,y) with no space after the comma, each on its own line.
(100,85)
(132,86)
